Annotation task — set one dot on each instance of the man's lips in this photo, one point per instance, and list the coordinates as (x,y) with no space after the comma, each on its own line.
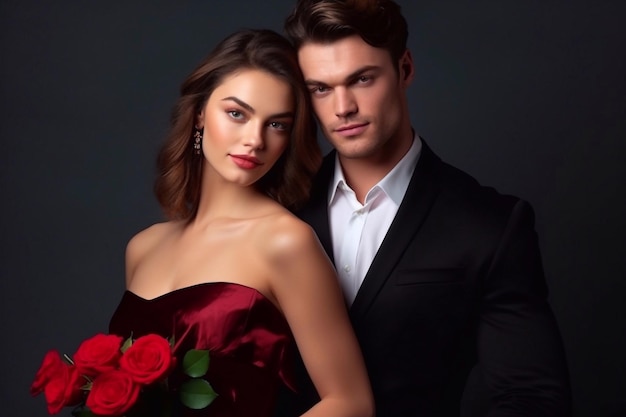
(246,161)
(353,129)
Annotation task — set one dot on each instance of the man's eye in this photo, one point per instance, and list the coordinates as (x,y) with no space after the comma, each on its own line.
(319,89)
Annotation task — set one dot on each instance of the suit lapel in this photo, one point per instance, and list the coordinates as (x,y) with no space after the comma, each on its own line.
(414,208)
(316,211)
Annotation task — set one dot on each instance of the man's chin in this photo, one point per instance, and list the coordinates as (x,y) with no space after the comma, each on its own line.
(356,150)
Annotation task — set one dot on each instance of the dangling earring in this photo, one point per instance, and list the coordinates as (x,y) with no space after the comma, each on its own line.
(197,141)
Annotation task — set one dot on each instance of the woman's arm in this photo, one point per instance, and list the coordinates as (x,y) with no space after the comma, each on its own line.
(309,295)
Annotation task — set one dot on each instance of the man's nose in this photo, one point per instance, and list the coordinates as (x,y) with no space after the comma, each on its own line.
(345,102)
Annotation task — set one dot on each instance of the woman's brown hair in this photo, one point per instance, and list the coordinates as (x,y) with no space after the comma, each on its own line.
(178,183)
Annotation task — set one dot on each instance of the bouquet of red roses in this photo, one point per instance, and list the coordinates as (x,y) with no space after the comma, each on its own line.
(107,375)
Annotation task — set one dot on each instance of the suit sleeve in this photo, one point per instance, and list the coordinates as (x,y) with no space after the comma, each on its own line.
(519,345)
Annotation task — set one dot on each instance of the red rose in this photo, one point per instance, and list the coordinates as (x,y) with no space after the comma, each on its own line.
(112,394)
(60,383)
(51,367)
(98,354)
(64,390)
(148,359)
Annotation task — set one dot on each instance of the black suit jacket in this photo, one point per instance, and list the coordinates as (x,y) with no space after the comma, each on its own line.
(457,281)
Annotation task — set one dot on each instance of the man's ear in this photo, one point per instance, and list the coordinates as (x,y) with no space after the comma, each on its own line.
(407,68)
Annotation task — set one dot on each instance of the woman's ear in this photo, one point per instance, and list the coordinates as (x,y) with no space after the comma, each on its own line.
(199,123)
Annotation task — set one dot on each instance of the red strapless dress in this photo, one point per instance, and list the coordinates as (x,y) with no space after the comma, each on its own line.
(249,341)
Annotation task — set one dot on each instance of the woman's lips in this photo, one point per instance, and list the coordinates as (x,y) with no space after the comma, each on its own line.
(246,161)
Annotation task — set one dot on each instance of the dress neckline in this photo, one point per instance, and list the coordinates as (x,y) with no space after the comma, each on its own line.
(204,284)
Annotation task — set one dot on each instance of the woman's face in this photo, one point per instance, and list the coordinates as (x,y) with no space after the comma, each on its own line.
(247,123)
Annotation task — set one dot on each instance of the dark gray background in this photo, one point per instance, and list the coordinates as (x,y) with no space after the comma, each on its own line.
(528,96)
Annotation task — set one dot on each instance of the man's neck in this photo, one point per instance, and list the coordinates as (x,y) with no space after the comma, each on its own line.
(361,174)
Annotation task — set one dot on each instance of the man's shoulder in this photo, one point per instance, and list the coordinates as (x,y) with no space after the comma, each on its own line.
(456,189)
(456,182)
(466,196)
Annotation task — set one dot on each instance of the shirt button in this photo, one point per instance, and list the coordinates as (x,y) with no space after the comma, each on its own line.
(346,268)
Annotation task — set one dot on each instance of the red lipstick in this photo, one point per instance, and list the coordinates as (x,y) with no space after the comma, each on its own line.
(246,161)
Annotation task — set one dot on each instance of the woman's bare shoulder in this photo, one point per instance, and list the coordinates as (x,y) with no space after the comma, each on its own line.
(145,240)
(291,246)
(285,234)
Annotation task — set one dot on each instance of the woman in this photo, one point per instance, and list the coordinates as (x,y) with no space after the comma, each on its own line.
(233,271)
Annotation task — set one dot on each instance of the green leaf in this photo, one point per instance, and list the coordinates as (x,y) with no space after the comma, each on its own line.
(127,343)
(197,393)
(196,363)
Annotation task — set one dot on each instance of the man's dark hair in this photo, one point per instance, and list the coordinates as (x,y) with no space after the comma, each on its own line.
(378,22)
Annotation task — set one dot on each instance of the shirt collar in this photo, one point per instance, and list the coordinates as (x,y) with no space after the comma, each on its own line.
(394,184)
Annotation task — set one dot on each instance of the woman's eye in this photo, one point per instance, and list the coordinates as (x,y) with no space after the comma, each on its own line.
(235,114)
(279,125)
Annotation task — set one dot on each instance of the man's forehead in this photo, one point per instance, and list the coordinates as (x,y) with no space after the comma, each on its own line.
(339,59)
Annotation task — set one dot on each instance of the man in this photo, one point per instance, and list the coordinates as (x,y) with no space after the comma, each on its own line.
(442,276)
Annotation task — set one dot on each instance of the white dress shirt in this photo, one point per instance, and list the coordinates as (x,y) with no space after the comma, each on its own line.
(357,229)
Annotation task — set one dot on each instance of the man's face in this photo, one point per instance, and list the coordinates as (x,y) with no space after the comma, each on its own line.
(358,96)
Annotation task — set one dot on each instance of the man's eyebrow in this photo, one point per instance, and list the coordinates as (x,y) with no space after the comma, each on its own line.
(240,102)
(349,77)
